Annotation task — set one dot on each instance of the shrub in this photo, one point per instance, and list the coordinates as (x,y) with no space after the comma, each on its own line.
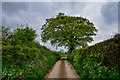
(99,61)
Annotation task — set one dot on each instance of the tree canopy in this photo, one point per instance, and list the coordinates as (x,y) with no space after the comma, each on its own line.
(18,36)
(25,35)
(68,31)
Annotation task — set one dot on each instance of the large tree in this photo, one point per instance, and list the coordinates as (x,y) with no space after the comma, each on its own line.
(68,31)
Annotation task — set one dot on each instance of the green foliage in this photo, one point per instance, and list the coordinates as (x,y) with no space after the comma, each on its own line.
(68,31)
(22,57)
(61,54)
(36,68)
(5,34)
(23,36)
(99,61)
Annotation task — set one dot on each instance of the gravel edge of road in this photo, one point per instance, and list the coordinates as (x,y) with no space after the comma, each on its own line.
(50,70)
(73,69)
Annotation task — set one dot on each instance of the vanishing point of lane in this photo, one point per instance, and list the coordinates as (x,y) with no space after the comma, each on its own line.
(63,70)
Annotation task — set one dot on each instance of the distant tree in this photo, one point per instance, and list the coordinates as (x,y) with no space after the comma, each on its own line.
(5,34)
(68,31)
(22,36)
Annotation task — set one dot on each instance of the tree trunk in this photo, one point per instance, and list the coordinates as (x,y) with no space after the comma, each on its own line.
(71,49)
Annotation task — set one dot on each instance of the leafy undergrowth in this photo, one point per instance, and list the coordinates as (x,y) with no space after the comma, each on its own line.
(100,61)
(27,65)
(22,57)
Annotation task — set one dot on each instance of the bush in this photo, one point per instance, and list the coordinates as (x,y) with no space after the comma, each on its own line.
(100,61)
(22,57)
(24,67)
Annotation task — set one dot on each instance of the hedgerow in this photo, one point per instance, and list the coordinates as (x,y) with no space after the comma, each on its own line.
(23,57)
(99,61)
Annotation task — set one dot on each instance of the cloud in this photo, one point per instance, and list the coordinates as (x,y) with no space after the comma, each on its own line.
(11,13)
(11,8)
(119,17)
(11,21)
(92,11)
(110,12)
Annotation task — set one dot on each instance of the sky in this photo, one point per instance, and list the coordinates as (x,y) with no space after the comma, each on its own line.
(104,15)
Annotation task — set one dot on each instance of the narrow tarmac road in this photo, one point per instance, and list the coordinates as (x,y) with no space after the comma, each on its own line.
(63,70)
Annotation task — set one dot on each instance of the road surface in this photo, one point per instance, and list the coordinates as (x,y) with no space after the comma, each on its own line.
(62,70)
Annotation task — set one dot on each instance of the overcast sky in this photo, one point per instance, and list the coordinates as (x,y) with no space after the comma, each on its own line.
(103,14)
